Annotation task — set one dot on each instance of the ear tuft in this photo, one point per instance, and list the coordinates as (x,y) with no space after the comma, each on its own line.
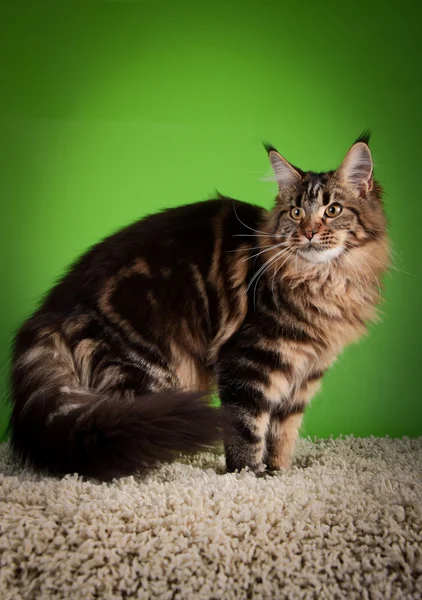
(269,147)
(356,168)
(364,137)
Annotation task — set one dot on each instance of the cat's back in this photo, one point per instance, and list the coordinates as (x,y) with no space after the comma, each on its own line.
(169,240)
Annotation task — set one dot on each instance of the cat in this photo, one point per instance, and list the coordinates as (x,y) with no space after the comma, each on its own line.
(113,374)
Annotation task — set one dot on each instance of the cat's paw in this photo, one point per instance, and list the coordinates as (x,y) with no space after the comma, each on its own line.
(268,473)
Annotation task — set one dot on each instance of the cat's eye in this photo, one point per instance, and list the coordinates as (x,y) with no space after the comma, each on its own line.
(333,210)
(297,213)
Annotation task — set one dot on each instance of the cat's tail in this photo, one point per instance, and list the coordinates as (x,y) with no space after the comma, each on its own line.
(65,429)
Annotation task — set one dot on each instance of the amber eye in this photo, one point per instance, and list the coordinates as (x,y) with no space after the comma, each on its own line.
(333,210)
(297,213)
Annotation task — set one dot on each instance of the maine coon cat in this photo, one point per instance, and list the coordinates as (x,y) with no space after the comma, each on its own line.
(113,373)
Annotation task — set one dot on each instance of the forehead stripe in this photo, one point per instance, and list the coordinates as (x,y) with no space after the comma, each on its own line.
(326,198)
(313,188)
(314,185)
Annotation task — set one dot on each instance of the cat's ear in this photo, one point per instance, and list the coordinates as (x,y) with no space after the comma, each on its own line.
(356,169)
(287,177)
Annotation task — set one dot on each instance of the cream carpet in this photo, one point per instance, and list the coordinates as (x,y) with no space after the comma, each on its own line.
(344,522)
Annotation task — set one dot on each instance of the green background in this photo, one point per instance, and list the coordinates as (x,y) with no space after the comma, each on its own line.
(113,109)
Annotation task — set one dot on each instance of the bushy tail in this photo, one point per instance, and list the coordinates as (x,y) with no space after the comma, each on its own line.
(110,437)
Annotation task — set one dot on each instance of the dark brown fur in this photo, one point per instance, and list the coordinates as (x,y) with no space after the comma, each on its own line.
(112,374)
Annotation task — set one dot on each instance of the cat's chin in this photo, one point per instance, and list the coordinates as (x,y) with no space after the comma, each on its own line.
(320,256)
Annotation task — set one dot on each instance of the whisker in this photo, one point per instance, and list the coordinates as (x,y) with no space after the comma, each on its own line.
(275,274)
(266,249)
(393,252)
(268,264)
(244,224)
(255,235)
(263,267)
(247,248)
(405,272)
(395,267)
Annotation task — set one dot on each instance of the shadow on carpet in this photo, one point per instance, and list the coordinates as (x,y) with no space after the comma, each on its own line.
(344,522)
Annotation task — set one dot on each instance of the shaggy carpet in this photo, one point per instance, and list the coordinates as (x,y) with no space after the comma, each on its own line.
(344,522)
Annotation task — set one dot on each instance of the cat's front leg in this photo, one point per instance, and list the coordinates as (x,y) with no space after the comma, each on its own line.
(244,437)
(285,423)
(282,436)
(251,382)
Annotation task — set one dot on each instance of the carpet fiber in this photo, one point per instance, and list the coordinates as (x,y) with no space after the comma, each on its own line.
(344,522)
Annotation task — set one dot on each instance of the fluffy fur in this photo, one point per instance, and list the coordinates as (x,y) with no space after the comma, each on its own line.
(113,373)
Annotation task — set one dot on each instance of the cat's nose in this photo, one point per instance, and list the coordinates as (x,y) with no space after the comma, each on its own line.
(309,233)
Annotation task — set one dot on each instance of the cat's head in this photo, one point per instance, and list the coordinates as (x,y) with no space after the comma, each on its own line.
(321,216)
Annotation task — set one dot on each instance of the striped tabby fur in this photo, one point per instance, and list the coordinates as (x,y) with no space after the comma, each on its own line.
(112,374)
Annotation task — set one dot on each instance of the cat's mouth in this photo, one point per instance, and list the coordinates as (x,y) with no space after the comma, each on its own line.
(316,254)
